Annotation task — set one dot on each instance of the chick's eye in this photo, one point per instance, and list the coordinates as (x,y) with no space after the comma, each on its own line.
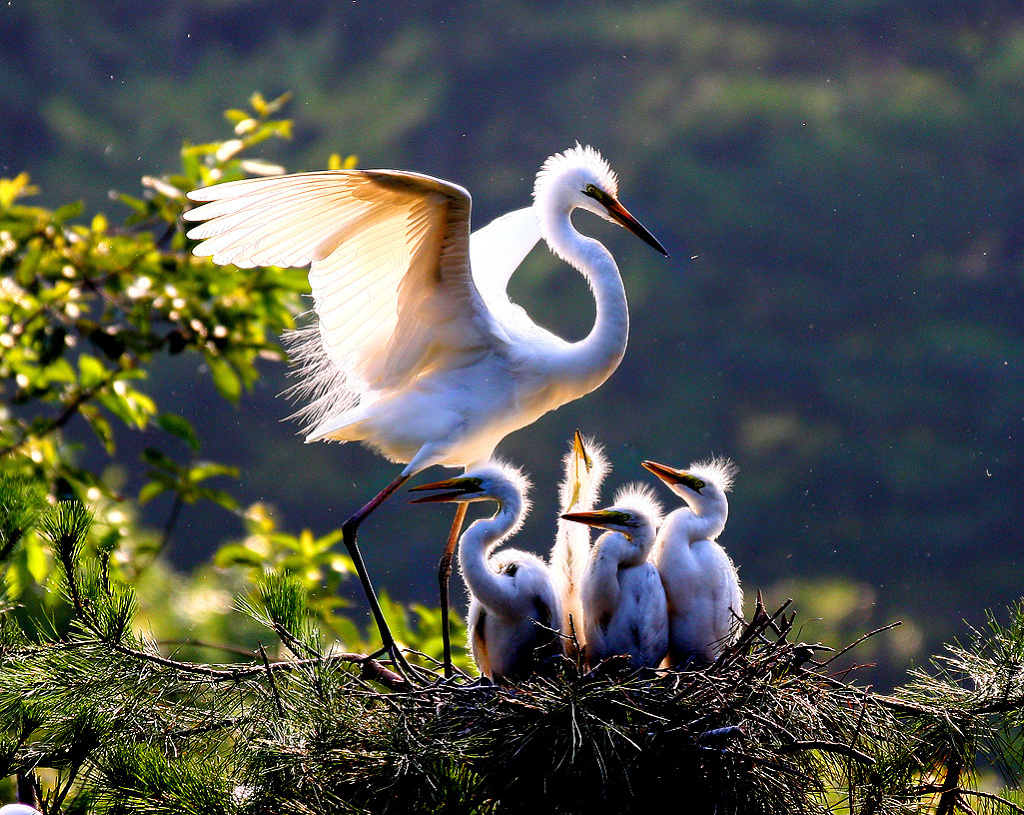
(591,189)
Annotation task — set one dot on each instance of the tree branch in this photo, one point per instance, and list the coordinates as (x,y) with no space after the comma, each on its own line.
(828,747)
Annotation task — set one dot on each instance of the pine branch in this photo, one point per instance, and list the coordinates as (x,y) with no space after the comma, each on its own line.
(371,668)
(991,796)
(827,746)
(273,684)
(861,639)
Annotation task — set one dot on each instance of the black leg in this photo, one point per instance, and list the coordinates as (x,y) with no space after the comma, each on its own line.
(348,533)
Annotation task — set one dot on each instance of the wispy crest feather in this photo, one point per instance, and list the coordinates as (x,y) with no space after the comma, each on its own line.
(640,498)
(573,159)
(718,470)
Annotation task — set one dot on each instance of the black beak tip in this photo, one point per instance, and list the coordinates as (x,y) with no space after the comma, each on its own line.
(651,241)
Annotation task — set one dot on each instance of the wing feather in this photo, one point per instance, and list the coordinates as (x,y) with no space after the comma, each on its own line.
(389,271)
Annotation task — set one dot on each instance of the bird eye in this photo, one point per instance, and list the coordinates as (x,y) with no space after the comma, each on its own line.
(692,482)
(593,191)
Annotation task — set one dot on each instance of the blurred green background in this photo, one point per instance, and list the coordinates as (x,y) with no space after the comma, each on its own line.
(841,188)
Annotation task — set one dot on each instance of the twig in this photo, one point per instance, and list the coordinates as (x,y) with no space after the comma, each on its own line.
(861,639)
(169,524)
(70,409)
(200,729)
(213,646)
(293,643)
(755,627)
(273,684)
(828,747)
(949,793)
(993,797)
(371,668)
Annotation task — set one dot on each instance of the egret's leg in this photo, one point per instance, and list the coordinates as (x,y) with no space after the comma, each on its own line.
(444,573)
(348,535)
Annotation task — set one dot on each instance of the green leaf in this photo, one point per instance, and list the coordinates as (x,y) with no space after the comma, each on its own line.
(100,426)
(130,406)
(227,382)
(237,555)
(209,469)
(218,497)
(68,212)
(13,188)
(275,105)
(91,371)
(180,428)
(151,491)
(156,458)
(259,104)
(235,116)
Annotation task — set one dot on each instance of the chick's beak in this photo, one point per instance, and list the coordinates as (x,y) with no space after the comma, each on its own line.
(670,475)
(449,489)
(595,518)
(580,451)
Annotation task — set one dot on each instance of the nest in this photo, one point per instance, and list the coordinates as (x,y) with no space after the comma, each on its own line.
(764,729)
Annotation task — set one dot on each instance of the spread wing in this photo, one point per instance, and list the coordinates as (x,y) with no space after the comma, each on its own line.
(389,269)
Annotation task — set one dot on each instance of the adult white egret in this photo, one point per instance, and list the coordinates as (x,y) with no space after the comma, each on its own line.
(703,589)
(624,608)
(418,351)
(585,468)
(514,610)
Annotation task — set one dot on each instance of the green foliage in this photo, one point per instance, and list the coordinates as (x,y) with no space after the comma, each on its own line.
(967,706)
(86,311)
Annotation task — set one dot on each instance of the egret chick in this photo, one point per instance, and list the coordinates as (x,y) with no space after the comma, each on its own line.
(705,600)
(585,468)
(417,351)
(513,608)
(624,608)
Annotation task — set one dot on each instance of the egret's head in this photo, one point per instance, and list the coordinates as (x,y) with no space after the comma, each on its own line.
(574,170)
(614,519)
(703,486)
(494,481)
(585,467)
(579,178)
(634,510)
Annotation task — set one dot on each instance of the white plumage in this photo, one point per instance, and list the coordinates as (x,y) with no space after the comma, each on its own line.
(514,609)
(585,468)
(418,352)
(624,608)
(705,600)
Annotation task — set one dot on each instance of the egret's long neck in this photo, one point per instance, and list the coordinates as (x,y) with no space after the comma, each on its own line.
(706,526)
(591,361)
(626,551)
(639,546)
(475,546)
